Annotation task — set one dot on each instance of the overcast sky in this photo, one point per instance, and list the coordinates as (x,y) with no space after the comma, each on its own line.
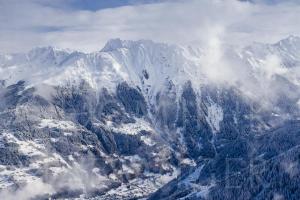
(86,25)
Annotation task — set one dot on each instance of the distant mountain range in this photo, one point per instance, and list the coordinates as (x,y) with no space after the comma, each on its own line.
(146,120)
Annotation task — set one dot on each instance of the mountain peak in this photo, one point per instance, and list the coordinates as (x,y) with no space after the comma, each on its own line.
(293,38)
(114,44)
(49,49)
(48,55)
(290,40)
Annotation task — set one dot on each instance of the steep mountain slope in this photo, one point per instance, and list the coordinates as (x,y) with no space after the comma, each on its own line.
(123,122)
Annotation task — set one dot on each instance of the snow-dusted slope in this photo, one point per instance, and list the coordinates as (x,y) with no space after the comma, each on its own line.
(261,72)
(287,50)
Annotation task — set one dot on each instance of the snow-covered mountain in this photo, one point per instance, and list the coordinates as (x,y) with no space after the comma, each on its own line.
(138,117)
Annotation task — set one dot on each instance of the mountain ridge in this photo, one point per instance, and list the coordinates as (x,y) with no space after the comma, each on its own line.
(123,122)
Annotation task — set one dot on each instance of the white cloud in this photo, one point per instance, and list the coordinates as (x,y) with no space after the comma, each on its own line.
(25,24)
(272,66)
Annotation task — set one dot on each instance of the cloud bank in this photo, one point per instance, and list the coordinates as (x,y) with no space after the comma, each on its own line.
(26,24)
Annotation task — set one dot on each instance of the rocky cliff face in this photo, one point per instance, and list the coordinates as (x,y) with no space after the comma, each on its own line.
(146,120)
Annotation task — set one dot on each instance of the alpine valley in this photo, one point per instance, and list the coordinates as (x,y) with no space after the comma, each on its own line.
(147,120)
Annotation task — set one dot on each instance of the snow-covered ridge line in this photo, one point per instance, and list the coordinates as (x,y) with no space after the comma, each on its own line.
(118,61)
(145,63)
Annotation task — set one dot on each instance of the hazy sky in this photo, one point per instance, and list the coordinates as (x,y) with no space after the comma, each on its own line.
(86,25)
